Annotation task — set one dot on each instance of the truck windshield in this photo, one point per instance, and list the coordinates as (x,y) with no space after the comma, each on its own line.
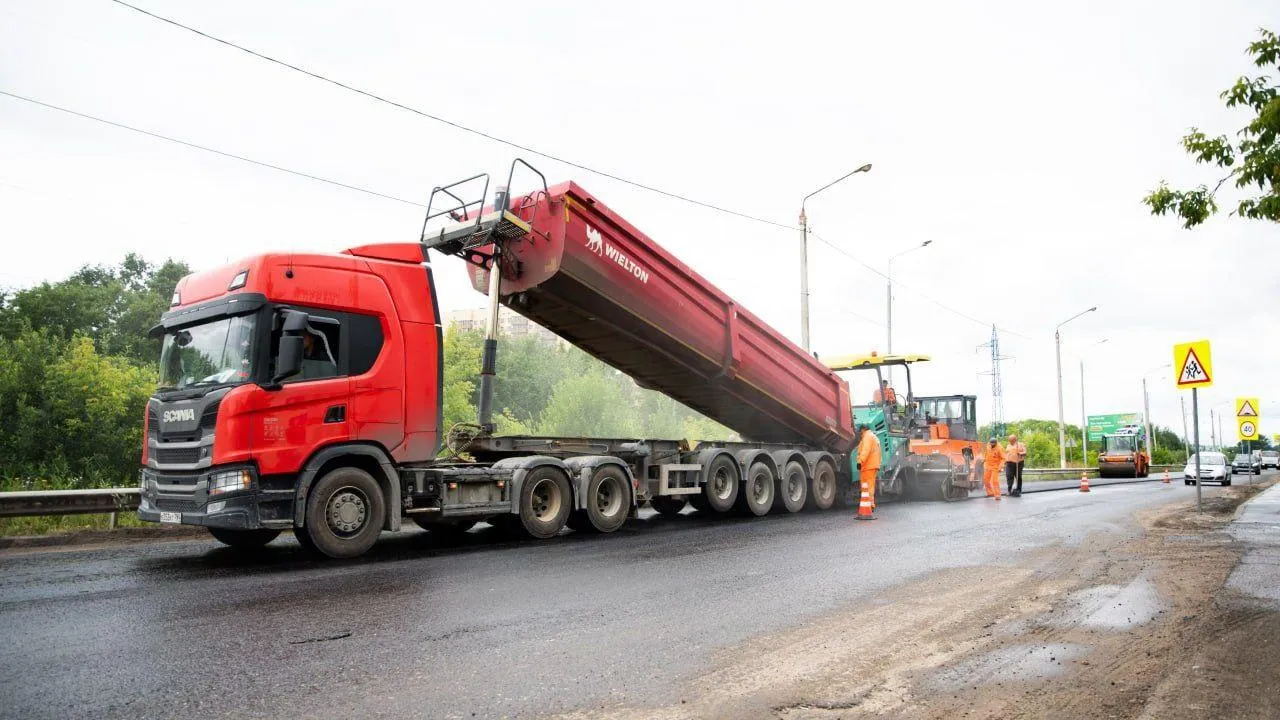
(215,353)
(1119,443)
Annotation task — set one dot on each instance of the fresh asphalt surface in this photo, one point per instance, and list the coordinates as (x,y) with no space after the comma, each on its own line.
(485,626)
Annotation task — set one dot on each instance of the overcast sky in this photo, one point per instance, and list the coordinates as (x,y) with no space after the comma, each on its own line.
(1019,138)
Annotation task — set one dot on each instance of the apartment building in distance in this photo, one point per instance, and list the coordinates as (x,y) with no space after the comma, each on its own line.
(510,325)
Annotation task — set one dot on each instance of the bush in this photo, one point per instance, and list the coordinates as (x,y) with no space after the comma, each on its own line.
(72,417)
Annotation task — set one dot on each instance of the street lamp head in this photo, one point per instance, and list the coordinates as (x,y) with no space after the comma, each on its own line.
(864,168)
(1095,307)
(926,243)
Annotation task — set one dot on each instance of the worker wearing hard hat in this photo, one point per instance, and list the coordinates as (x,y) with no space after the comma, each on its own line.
(1015,456)
(868,462)
(992,462)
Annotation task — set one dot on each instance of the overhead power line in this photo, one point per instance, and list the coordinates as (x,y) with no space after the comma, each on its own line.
(206,148)
(522,147)
(451,123)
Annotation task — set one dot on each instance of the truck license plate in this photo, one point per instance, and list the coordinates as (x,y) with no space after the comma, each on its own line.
(171,517)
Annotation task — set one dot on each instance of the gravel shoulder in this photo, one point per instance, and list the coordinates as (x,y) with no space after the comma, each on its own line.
(1134,622)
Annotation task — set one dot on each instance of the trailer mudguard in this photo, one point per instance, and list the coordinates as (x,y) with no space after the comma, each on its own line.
(582,468)
(520,468)
(749,456)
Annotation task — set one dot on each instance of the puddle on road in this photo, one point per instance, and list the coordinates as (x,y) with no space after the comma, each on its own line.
(1016,663)
(1111,607)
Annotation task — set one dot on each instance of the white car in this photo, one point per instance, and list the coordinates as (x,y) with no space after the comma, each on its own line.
(1213,468)
(1270,459)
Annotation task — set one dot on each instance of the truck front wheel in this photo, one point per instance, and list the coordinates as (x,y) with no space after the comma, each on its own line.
(243,538)
(344,515)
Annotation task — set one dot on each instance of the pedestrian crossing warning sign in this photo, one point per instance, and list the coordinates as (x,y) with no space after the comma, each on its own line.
(1194,364)
(1247,408)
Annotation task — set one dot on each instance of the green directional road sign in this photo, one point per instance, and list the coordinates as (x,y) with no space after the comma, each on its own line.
(1100,425)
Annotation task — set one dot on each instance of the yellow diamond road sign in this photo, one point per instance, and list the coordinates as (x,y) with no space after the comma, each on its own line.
(1247,407)
(1248,429)
(1193,364)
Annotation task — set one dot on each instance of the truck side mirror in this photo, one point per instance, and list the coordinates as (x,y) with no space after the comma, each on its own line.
(289,359)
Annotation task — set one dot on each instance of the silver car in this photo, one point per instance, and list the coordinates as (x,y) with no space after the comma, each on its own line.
(1213,468)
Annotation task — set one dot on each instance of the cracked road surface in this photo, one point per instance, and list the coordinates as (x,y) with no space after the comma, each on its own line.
(484,626)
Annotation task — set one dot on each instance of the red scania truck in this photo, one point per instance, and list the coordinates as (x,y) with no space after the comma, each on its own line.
(303,392)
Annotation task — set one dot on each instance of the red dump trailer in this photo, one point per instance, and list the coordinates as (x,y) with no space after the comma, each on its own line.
(597,281)
(303,392)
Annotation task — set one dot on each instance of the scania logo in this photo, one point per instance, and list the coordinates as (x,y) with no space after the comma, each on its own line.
(185,415)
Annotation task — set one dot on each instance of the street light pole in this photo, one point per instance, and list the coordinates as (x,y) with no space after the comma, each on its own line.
(1152,445)
(1057,346)
(804,256)
(1084,422)
(889,300)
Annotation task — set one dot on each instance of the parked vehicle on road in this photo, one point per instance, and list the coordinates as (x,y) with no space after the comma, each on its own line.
(1270,459)
(303,392)
(1247,463)
(1213,468)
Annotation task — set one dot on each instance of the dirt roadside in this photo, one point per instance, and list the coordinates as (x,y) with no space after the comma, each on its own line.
(1125,625)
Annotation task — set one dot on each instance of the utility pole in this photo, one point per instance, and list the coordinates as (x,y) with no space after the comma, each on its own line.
(1186,439)
(804,257)
(888,307)
(1057,346)
(997,385)
(1213,436)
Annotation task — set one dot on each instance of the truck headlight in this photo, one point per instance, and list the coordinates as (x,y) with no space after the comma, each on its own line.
(230,481)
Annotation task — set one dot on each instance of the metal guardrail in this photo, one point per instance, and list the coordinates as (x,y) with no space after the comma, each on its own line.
(68,502)
(1033,474)
(116,500)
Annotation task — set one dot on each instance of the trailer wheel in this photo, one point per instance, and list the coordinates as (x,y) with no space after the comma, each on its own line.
(608,501)
(344,515)
(243,538)
(758,490)
(667,505)
(721,488)
(545,502)
(793,487)
(822,494)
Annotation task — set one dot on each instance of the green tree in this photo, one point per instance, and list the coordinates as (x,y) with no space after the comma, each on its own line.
(594,404)
(73,416)
(113,306)
(1253,159)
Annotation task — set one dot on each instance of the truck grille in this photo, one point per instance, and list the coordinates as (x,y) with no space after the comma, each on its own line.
(176,504)
(177,456)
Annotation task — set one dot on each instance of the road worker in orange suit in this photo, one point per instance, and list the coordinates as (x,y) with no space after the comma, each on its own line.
(994,462)
(885,394)
(868,462)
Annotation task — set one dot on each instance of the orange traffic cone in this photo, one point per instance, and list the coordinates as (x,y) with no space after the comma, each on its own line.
(1084,482)
(1166,476)
(865,511)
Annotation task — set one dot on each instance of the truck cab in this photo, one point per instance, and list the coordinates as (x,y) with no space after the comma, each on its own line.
(276,370)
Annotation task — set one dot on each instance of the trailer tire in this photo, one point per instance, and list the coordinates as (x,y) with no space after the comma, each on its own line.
(722,486)
(345,512)
(793,487)
(667,505)
(243,539)
(545,502)
(755,496)
(607,500)
(822,491)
